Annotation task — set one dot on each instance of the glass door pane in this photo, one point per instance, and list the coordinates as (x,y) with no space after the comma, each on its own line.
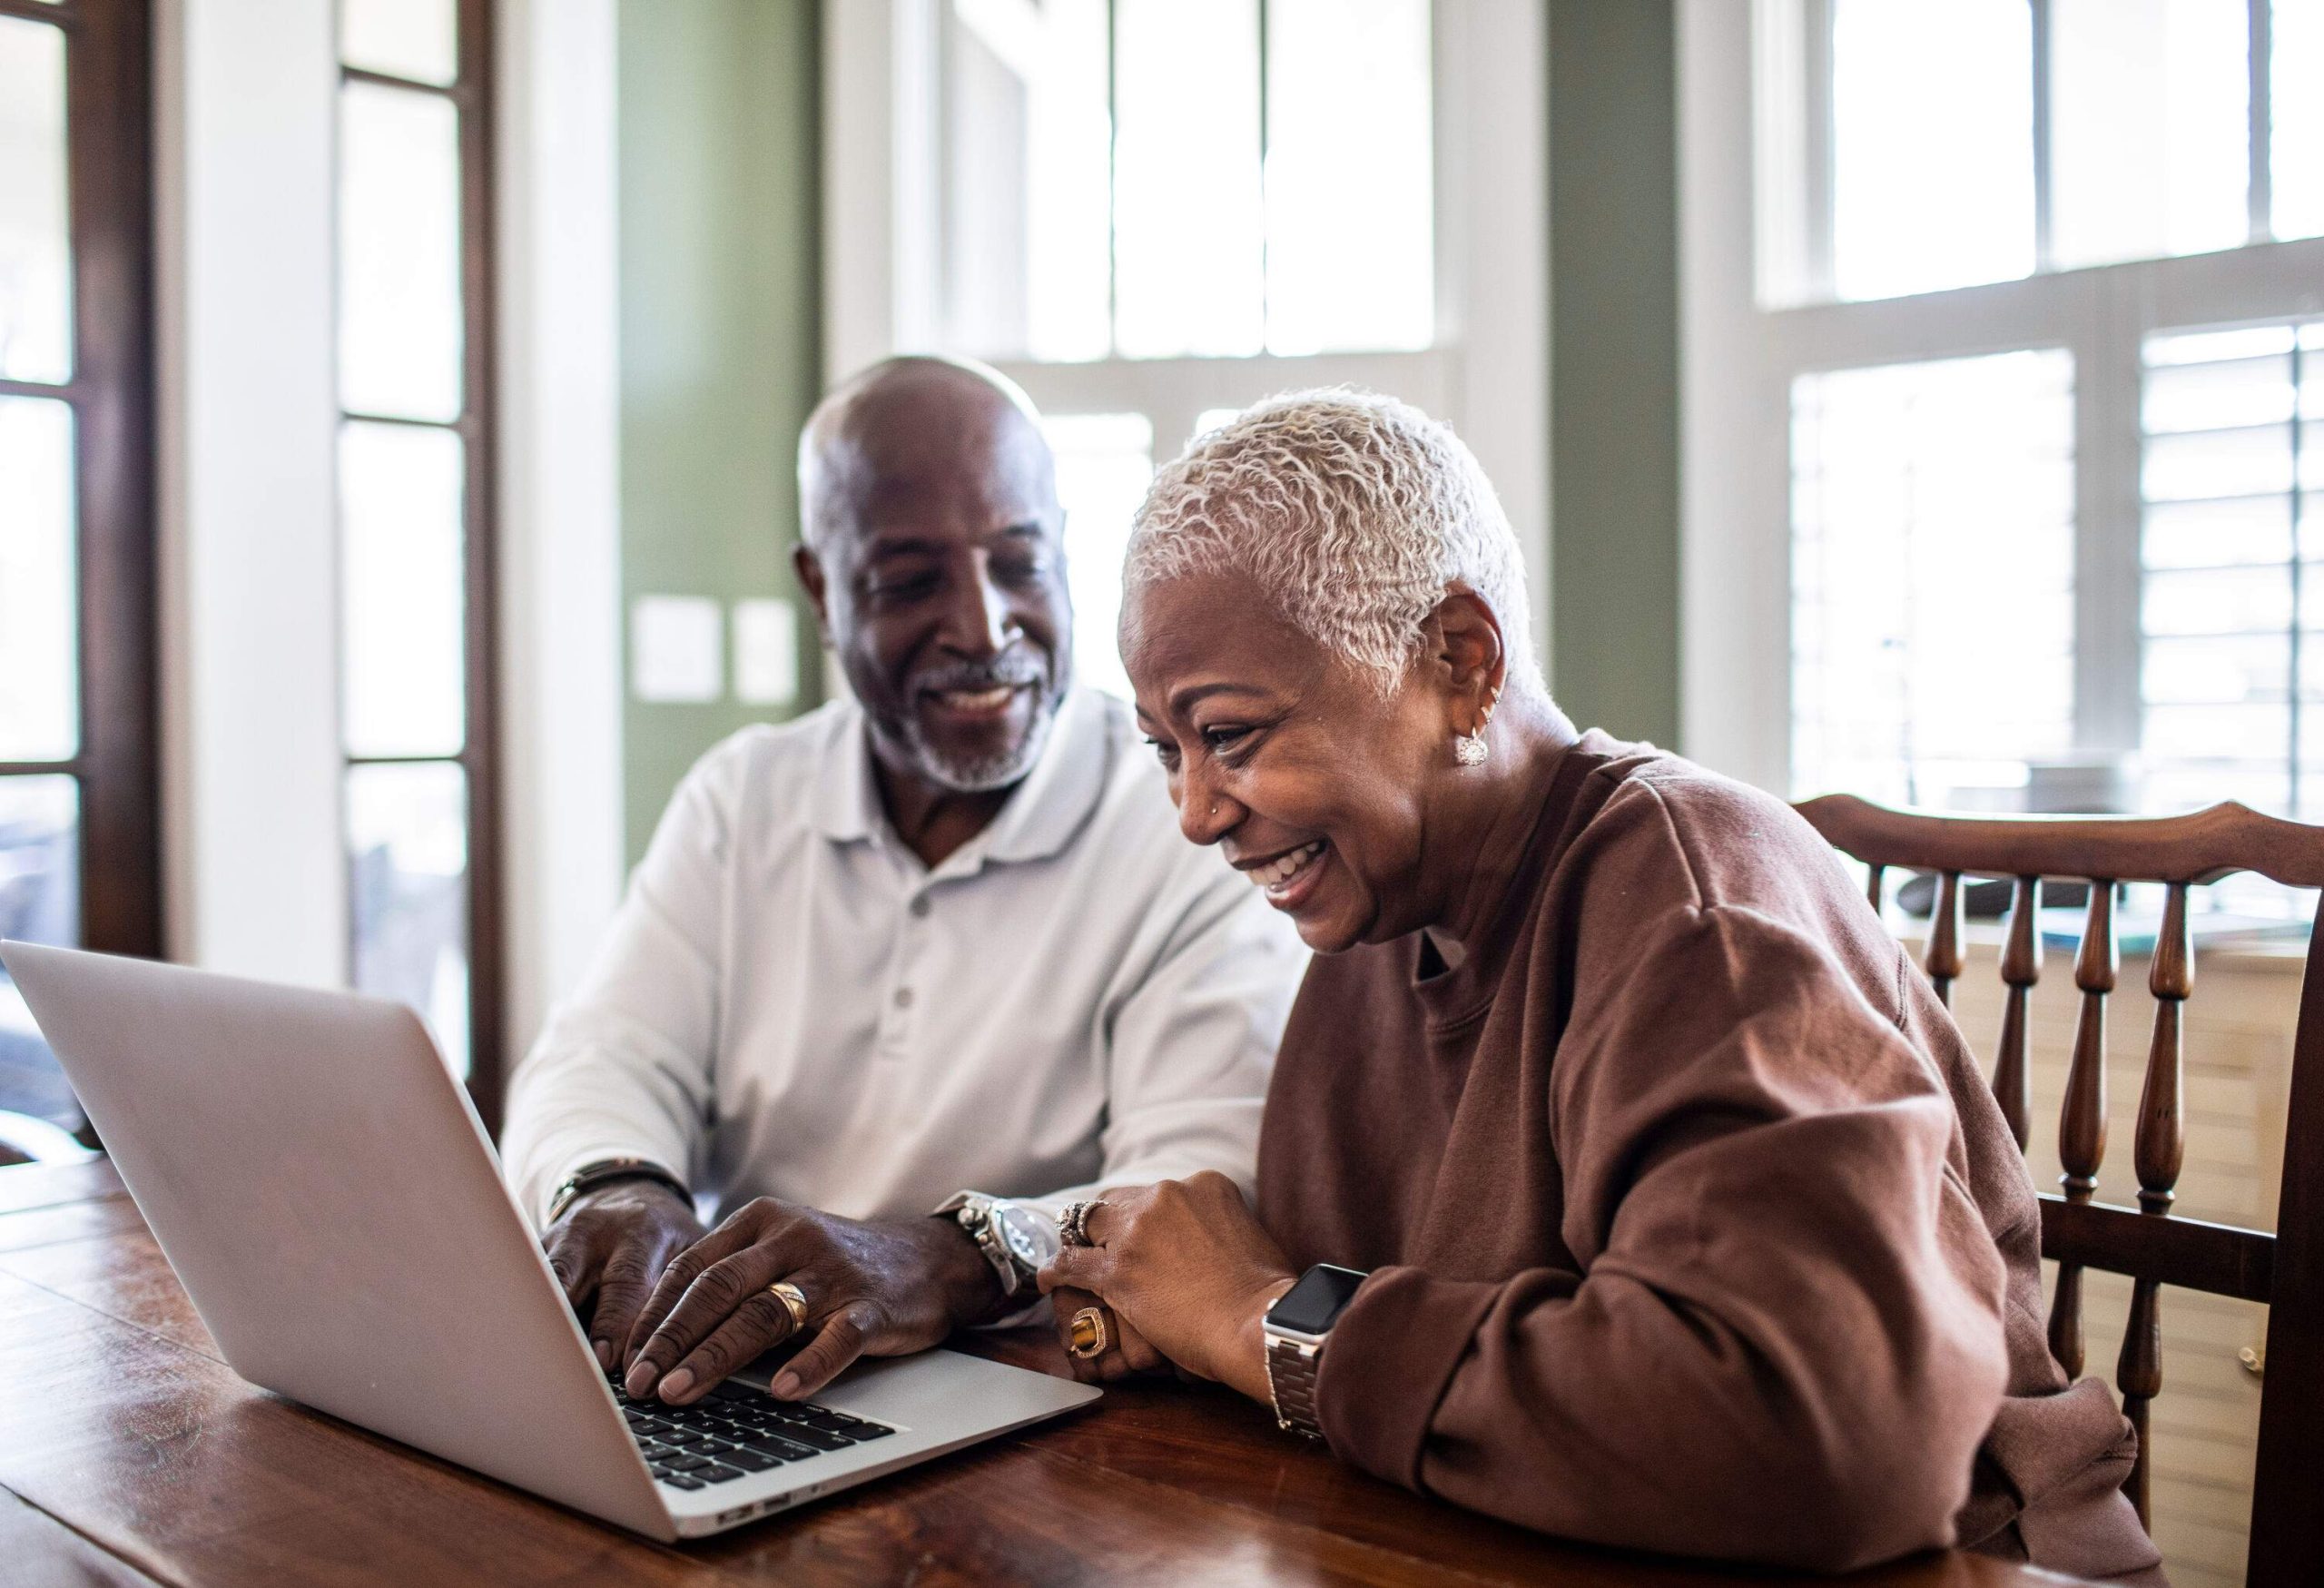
(40,901)
(400,334)
(402,588)
(407,864)
(40,697)
(418,40)
(36,246)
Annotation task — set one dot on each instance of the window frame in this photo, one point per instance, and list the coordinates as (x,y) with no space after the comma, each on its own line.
(471,94)
(883,241)
(109,106)
(1743,355)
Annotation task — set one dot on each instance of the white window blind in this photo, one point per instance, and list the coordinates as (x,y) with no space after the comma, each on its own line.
(1920,668)
(2231,684)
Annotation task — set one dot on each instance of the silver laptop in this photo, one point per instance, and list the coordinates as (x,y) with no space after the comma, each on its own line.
(318,1180)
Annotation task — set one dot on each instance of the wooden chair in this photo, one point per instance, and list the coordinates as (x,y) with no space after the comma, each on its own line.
(2284,1270)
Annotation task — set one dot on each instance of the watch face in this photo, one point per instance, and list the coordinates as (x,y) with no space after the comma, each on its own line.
(1316,1303)
(1030,1239)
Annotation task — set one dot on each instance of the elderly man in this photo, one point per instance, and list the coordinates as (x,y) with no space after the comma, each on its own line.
(897,981)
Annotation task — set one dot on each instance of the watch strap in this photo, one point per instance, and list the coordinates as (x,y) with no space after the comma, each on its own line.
(606,1171)
(973,1211)
(1291,1382)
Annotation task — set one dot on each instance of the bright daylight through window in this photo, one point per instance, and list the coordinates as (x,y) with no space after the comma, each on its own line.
(406,472)
(1178,186)
(2087,573)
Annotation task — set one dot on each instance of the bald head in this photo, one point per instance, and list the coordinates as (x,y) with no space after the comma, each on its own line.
(933,553)
(904,424)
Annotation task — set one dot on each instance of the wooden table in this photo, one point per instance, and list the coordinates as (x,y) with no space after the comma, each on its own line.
(131,1453)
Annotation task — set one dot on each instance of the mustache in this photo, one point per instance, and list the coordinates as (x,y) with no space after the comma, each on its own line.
(1013,672)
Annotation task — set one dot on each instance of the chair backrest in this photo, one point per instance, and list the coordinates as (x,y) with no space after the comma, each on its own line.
(2285,1270)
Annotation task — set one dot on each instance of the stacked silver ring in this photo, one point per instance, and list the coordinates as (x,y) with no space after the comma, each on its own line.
(1072,1228)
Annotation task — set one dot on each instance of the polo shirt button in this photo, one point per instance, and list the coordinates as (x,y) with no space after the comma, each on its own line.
(919,905)
(903,998)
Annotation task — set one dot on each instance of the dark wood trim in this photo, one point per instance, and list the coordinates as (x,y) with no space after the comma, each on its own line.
(479,757)
(68,14)
(2202,846)
(72,391)
(110,90)
(2285,1270)
(2286,1513)
(479,187)
(2220,1259)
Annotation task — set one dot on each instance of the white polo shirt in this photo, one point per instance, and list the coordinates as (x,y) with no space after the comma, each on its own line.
(789,1004)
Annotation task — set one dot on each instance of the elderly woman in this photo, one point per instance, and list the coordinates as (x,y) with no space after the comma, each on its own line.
(1620,1176)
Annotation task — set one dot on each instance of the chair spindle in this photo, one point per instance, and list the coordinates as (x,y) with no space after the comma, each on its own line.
(1944,959)
(2081,1128)
(2021,967)
(2161,1149)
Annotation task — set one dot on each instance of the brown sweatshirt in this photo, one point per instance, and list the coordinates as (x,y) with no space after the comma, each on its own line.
(1692,1224)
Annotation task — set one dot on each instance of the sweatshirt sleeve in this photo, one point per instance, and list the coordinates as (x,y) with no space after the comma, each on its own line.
(1784,1341)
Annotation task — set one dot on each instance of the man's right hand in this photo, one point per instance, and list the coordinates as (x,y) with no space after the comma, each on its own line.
(612,1245)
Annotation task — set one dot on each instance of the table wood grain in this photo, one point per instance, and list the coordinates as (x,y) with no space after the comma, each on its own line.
(132,1454)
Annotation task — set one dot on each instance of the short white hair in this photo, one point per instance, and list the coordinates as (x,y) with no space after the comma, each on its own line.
(1354,512)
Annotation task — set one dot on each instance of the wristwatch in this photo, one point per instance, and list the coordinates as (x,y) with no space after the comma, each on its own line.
(1016,1241)
(589,1177)
(1296,1328)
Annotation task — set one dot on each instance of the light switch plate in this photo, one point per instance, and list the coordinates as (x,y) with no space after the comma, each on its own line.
(677,652)
(766,653)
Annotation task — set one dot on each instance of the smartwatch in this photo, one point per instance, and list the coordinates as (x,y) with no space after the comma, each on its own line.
(1296,1327)
(1016,1241)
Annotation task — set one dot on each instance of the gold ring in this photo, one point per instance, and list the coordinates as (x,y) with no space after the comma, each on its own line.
(794,1302)
(1087,1330)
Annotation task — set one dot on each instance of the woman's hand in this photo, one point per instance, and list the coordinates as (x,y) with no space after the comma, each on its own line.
(1185,1265)
(1127,1354)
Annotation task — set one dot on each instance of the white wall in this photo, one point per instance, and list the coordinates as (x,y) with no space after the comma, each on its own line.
(244,99)
(246,96)
(560,500)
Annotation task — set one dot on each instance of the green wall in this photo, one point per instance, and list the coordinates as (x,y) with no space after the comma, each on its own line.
(1614,366)
(719,356)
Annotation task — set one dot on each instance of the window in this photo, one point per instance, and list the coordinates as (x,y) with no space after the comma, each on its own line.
(415,518)
(2042,521)
(1943,143)
(1152,212)
(2232,618)
(1075,160)
(1910,484)
(79,824)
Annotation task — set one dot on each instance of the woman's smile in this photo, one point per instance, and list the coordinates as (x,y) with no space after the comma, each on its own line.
(1289,877)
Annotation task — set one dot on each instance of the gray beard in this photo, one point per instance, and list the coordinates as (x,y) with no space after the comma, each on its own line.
(994,771)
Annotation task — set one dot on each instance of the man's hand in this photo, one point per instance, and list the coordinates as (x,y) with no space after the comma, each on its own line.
(886,1288)
(612,1244)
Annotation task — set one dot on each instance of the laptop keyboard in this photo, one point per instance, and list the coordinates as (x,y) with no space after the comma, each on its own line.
(734,1430)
